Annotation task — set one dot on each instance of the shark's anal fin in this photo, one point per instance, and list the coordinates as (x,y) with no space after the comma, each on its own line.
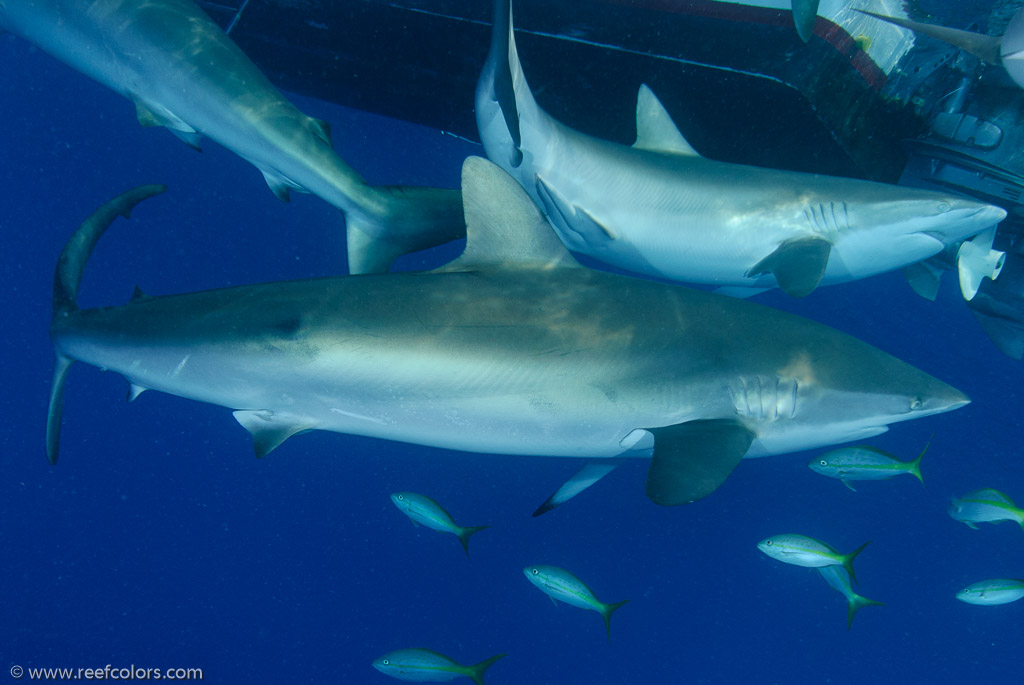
(268,429)
(584,478)
(798,265)
(691,460)
(655,129)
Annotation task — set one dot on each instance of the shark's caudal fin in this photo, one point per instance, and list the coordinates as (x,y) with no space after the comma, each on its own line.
(66,280)
(981,46)
(405,219)
(504,228)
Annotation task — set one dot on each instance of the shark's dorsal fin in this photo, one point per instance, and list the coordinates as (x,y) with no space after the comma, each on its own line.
(655,129)
(503,225)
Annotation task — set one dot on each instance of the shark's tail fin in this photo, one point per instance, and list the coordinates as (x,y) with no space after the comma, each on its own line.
(405,219)
(66,280)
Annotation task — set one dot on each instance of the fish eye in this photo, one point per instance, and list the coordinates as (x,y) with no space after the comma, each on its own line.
(534,571)
(823,462)
(943,206)
(385,662)
(767,543)
(401,498)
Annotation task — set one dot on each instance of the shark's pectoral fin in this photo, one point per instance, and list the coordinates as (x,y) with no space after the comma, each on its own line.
(798,265)
(655,129)
(924,278)
(691,460)
(572,217)
(584,478)
(268,429)
(55,411)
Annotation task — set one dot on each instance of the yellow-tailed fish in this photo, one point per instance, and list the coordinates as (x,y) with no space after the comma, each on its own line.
(992,592)
(863,462)
(985,506)
(559,584)
(422,509)
(801,550)
(426,665)
(839,579)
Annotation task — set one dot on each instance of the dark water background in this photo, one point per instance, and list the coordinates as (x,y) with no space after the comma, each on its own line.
(159,541)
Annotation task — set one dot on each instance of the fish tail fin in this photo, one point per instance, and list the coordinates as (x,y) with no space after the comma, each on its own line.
(468,532)
(915,466)
(476,671)
(404,219)
(848,560)
(67,278)
(855,604)
(606,613)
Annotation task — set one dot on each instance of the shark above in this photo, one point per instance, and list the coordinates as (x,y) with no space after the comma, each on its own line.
(512,348)
(659,209)
(182,72)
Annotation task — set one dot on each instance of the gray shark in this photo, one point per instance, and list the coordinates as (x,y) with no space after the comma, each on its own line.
(659,209)
(512,348)
(182,72)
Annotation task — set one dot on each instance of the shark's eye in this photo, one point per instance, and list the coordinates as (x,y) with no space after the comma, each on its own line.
(915,403)
(823,462)
(943,206)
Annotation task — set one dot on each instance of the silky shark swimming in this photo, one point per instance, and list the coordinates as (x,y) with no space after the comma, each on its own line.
(182,72)
(512,348)
(659,209)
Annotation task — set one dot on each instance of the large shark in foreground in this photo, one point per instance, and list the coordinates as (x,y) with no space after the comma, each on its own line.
(513,348)
(658,208)
(181,71)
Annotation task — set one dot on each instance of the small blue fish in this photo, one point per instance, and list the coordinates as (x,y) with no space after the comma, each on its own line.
(559,584)
(992,592)
(422,509)
(863,462)
(426,665)
(839,579)
(985,506)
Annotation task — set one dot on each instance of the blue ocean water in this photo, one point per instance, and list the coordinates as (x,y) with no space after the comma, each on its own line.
(159,541)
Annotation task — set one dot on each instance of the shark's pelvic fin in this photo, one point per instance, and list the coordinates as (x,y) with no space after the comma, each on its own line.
(67,278)
(150,116)
(655,129)
(504,228)
(584,478)
(691,460)
(268,429)
(798,265)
